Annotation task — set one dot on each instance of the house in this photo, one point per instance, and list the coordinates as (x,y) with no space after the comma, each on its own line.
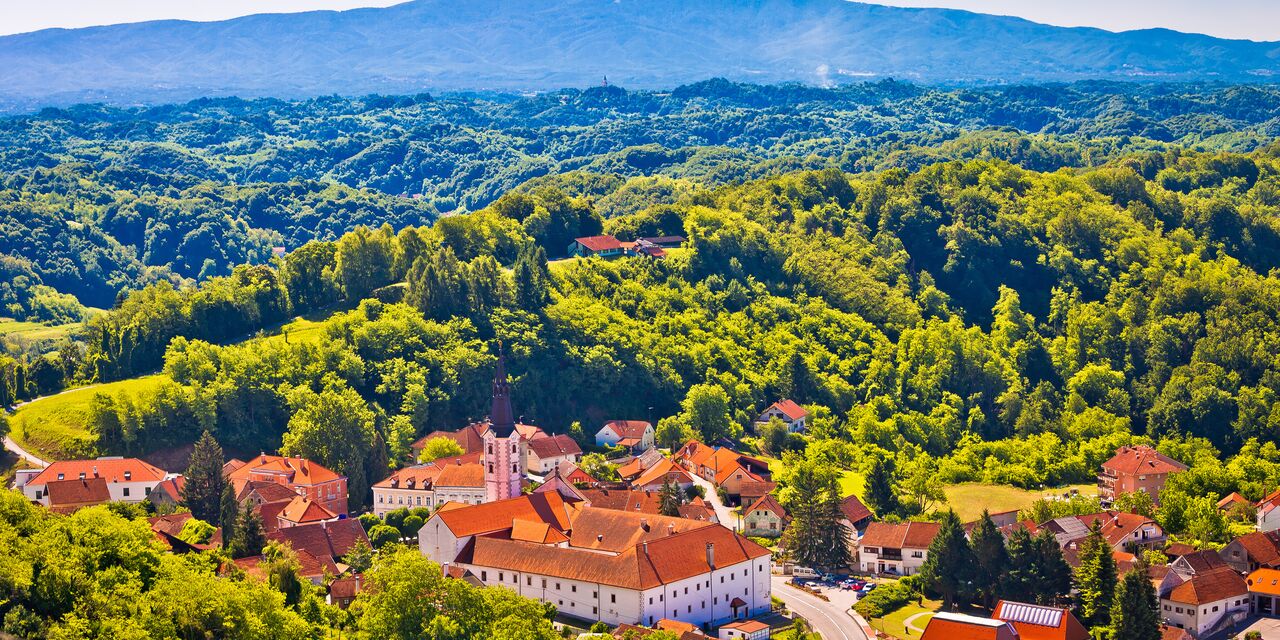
(856,516)
(343,591)
(635,466)
(697,509)
(545,453)
(956,626)
(633,632)
(723,467)
(126,480)
(1168,632)
(315,569)
(624,500)
(744,630)
(1039,622)
(1264,592)
(328,542)
(636,435)
(168,494)
(302,476)
(604,565)
(1191,564)
(666,242)
(418,485)
(1268,512)
(603,246)
(1253,551)
(786,410)
(168,527)
(260,492)
(463,483)
(655,477)
(1125,532)
(1233,501)
(69,496)
(896,549)
(303,510)
(1206,602)
(1138,468)
(765,518)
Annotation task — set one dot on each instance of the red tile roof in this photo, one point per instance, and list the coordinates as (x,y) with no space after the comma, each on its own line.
(553,446)
(546,507)
(333,539)
(767,503)
(658,473)
(599,243)
(853,509)
(788,408)
(952,626)
(1232,499)
(1266,581)
(266,491)
(1210,586)
(629,428)
(1263,548)
(110,469)
(171,489)
(624,500)
(913,535)
(66,496)
(461,475)
(1142,459)
(303,510)
(296,471)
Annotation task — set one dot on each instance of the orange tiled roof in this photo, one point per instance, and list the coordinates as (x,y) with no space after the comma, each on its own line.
(472,520)
(1263,548)
(1142,459)
(1265,581)
(768,503)
(624,500)
(629,428)
(1210,586)
(599,243)
(613,530)
(461,475)
(66,496)
(535,531)
(1035,622)
(947,626)
(110,469)
(303,510)
(296,471)
(853,509)
(913,535)
(657,474)
(552,446)
(789,408)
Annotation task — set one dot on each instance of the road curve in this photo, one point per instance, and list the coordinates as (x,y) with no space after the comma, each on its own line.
(825,618)
(23,453)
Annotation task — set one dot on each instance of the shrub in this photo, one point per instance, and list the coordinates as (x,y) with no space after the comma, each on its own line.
(886,599)
(382,535)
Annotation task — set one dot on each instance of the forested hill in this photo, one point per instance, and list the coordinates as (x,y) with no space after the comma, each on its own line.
(546,44)
(96,199)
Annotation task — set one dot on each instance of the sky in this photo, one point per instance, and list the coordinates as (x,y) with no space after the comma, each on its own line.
(1245,19)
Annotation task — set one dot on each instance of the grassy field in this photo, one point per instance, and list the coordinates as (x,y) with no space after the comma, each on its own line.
(55,427)
(894,623)
(971,498)
(34,331)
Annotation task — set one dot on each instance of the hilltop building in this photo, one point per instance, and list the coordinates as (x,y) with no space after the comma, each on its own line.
(1139,468)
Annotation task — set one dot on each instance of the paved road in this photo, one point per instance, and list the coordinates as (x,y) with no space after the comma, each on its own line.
(723,513)
(23,453)
(827,618)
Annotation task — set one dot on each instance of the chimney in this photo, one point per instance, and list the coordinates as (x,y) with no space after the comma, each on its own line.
(599,537)
(645,546)
(711,555)
(671,528)
(95,470)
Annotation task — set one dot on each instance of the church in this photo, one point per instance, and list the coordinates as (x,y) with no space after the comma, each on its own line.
(503,459)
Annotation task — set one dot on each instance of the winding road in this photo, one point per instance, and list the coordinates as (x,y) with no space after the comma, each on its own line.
(827,618)
(723,513)
(13,447)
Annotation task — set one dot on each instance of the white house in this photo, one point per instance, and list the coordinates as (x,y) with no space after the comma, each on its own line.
(636,435)
(127,479)
(895,549)
(745,630)
(548,451)
(1206,602)
(603,564)
(788,412)
(457,479)
(1269,512)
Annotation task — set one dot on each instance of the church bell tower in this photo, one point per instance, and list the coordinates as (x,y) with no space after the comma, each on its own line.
(503,464)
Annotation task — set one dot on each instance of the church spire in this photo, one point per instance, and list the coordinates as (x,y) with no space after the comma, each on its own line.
(501,417)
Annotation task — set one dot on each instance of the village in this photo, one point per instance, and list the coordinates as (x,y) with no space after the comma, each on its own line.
(685,540)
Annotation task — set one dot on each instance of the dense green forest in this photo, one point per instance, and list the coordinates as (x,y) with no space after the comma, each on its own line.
(96,200)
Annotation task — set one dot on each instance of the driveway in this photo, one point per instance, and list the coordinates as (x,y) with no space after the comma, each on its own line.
(723,513)
(23,453)
(831,619)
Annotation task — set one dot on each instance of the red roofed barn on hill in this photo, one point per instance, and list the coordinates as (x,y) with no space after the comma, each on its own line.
(1139,468)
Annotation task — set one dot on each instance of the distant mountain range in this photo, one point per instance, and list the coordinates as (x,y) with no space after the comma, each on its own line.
(519,45)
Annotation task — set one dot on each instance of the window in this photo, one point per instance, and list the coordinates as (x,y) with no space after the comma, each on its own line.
(484,576)
(574,588)
(544,583)
(650,599)
(501,577)
(613,598)
(126,492)
(557,586)
(686,591)
(690,609)
(595,610)
(744,573)
(529,581)
(917,554)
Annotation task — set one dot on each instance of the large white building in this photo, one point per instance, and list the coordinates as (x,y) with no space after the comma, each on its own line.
(603,564)
(456,479)
(126,479)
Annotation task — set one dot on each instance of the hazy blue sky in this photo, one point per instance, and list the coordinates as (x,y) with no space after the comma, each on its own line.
(1252,19)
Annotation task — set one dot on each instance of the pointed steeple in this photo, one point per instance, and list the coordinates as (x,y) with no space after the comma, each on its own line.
(501,417)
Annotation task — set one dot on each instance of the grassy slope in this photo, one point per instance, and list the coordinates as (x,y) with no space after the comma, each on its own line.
(34,331)
(893,624)
(56,427)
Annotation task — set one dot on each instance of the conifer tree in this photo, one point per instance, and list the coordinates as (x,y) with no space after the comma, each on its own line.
(991,560)
(1021,576)
(1135,614)
(948,569)
(1095,579)
(229,513)
(669,499)
(879,494)
(816,536)
(249,538)
(202,489)
(1052,573)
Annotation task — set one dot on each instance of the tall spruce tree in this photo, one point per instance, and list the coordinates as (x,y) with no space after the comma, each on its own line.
(879,494)
(229,513)
(949,567)
(1020,578)
(1053,575)
(816,536)
(669,499)
(991,560)
(249,537)
(1095,579)
(1135,614)
(202,489)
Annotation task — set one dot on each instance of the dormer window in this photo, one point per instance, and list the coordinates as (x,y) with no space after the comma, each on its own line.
(128,475)
(62,477)
(82,475)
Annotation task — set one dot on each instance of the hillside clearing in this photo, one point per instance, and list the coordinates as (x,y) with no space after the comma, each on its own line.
(56,427)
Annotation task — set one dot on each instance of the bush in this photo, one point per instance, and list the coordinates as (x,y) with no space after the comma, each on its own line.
(886,599)
(382,535)
(409,528)
(395,518)
(368,521)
